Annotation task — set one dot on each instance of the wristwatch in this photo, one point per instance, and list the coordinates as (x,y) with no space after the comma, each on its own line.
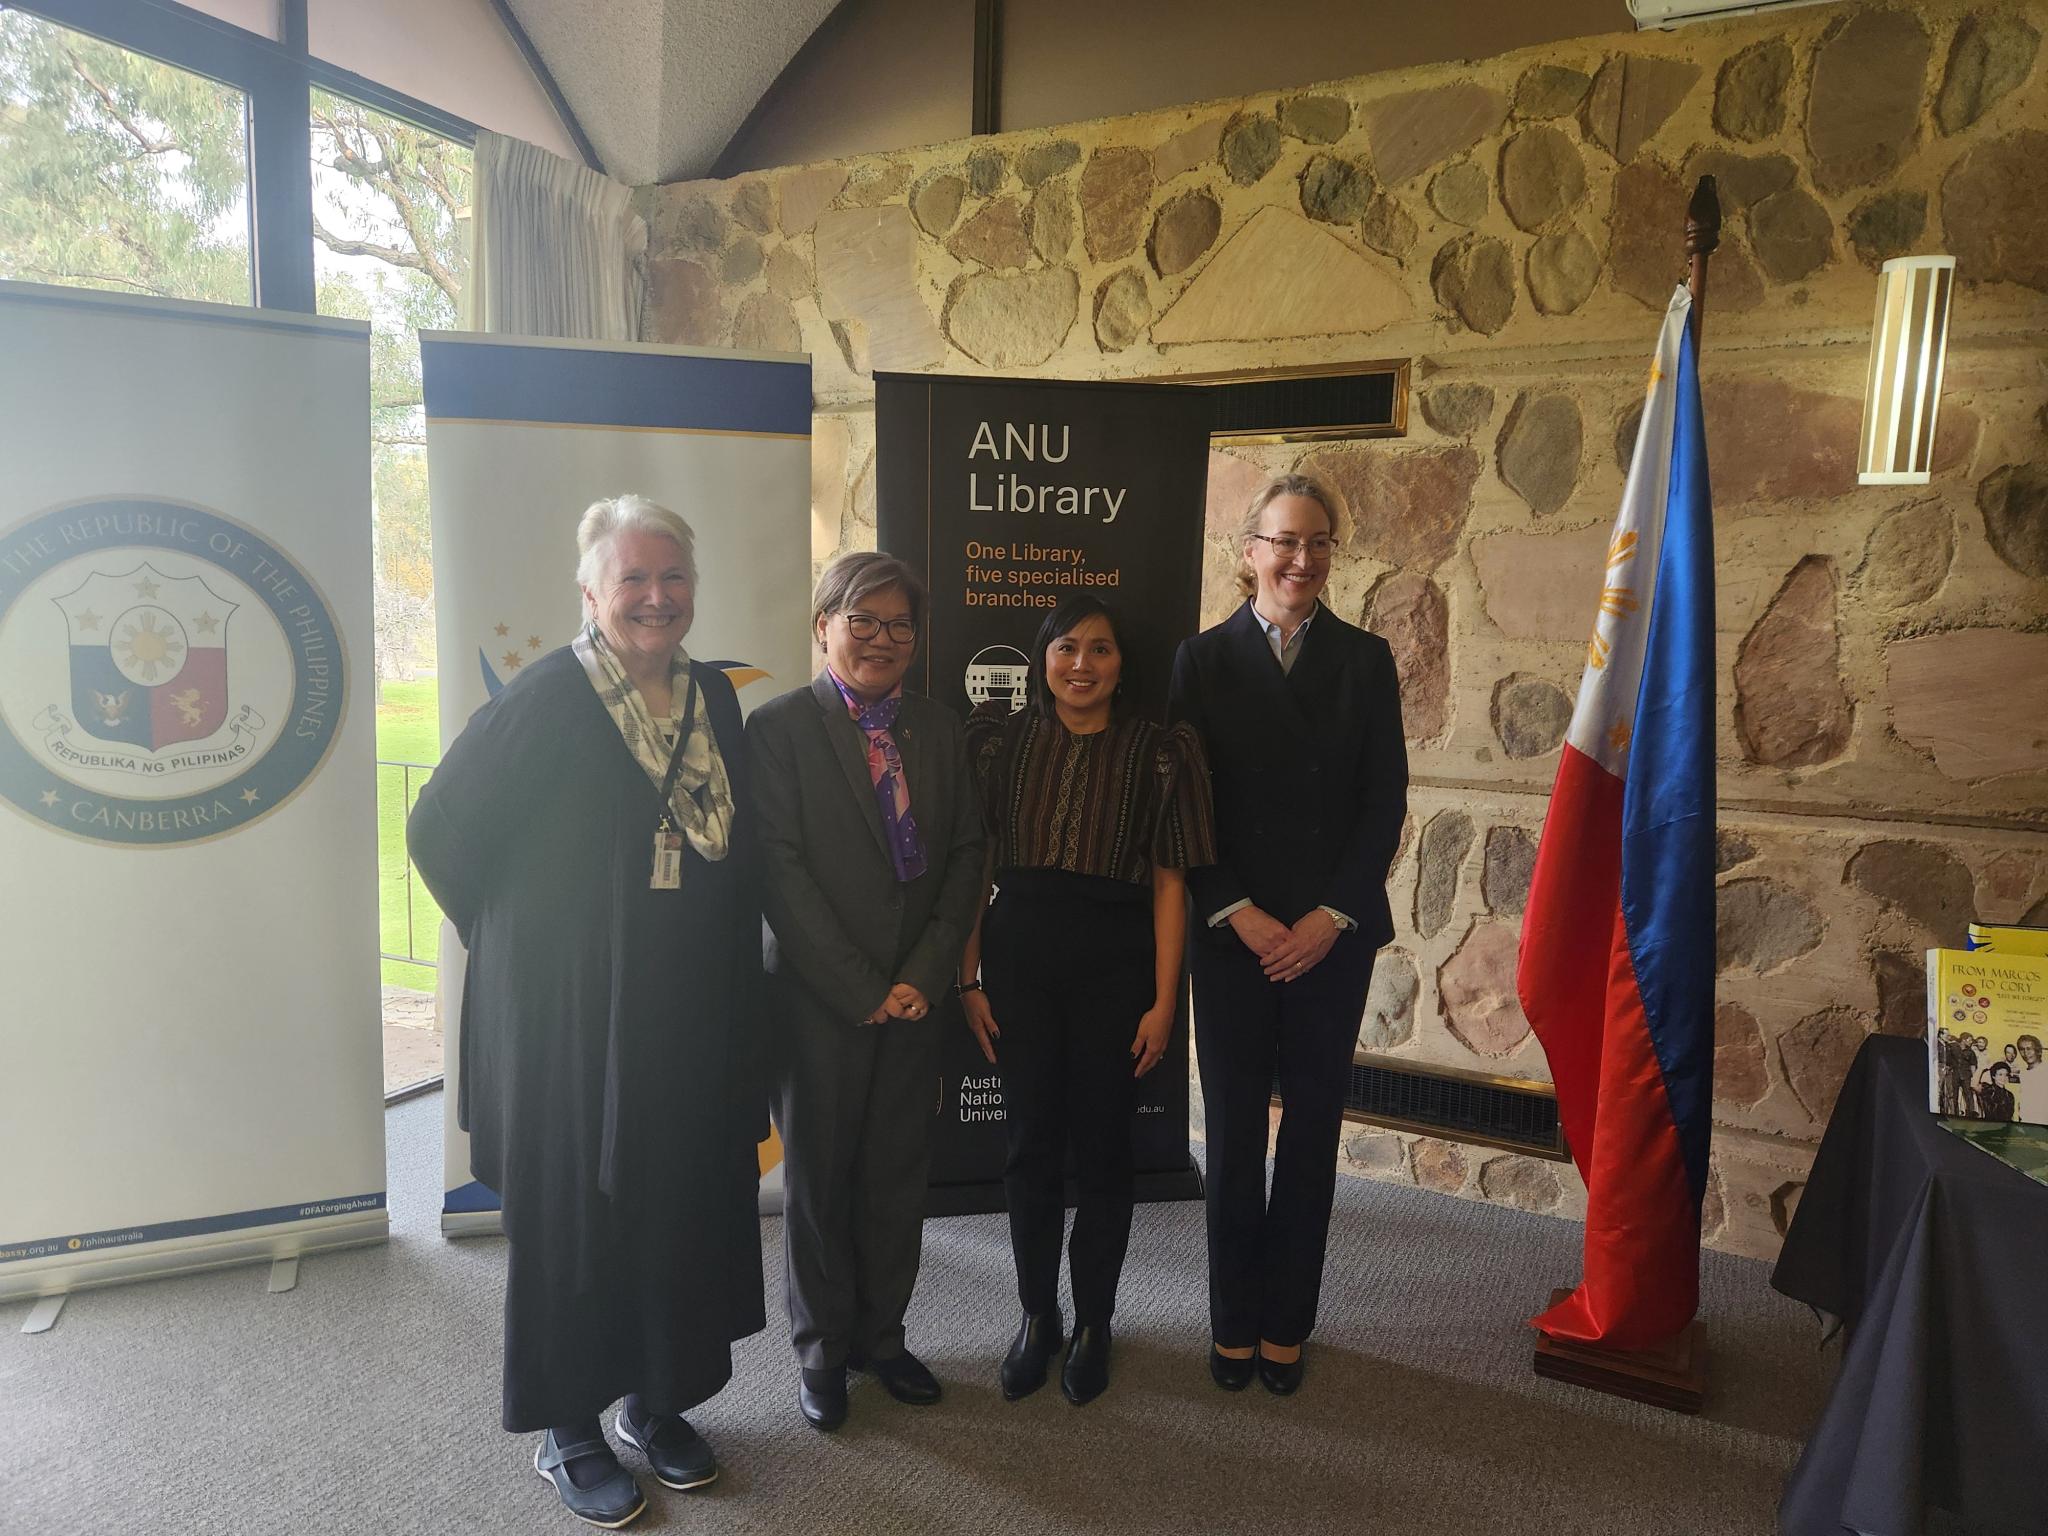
(1344,924)
(962,988)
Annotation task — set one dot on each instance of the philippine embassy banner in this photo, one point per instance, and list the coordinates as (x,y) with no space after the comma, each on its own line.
(522,435)
(1010,496)
(188,830)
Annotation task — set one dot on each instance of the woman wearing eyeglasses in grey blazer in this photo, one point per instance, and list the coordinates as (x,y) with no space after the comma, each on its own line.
(871,851)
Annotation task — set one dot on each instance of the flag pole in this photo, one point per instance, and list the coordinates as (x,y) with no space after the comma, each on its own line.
(1672,1374)
(1702,239)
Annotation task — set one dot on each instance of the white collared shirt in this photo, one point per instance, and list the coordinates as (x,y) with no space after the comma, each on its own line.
(1286,648)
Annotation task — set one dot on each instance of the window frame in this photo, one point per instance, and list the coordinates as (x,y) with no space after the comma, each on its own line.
(276,77)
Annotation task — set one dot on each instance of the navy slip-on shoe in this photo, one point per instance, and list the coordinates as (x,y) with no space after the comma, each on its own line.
(606,1497)
(676,1452)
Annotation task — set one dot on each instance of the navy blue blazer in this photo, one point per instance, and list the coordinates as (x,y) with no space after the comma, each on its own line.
(1309,769)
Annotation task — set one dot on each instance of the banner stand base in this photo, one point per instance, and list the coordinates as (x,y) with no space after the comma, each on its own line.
(473,1223)
(1150,1187)
(42,1317)
(61,1274)
(1673,1375)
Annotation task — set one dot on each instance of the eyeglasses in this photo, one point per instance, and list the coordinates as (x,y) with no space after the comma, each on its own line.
(1287,546)
(865,626)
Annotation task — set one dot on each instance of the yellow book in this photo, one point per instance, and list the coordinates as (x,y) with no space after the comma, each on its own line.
(1987,1027)
(2009,938)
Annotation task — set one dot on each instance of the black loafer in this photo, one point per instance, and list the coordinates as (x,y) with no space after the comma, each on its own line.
(905,1378)
(676,1452)
(1030,1357)
(821,1395)
(1229,1372)
(598,1491)
(1086,1372)
(1281,1377)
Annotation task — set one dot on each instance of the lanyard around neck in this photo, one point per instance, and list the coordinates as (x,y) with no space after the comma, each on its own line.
(675,756)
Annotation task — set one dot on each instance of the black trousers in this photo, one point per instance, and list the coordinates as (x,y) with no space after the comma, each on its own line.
(1266,1252)
(1067,961)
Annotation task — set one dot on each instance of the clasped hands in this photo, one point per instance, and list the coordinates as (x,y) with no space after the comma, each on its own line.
(903,1002)
(1155,1028)
(1285,954)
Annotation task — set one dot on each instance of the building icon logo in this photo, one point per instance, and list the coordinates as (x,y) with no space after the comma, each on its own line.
(998,674)
(166,674)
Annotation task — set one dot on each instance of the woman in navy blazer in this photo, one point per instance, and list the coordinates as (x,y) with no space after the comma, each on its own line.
(1301,714)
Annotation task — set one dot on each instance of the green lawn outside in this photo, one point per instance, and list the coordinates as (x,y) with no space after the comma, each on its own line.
(408,731)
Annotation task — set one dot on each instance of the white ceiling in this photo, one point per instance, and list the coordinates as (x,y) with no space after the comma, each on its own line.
(661,86)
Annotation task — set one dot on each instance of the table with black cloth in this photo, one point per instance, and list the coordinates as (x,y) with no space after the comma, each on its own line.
(1935,1256)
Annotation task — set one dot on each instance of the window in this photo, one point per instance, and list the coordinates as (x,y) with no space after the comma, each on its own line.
(118,171)
(390,201)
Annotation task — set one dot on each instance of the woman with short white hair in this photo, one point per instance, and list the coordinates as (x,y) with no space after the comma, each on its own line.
(588,834)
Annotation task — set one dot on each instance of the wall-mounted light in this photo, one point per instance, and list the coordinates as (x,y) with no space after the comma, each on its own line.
(1908,344)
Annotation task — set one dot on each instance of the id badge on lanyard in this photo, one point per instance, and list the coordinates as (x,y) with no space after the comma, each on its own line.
(668,842)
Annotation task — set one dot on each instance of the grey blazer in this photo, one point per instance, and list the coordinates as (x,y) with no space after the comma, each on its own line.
(840,922)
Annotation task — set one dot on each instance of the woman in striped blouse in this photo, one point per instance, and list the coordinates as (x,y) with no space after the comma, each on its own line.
(1094,814)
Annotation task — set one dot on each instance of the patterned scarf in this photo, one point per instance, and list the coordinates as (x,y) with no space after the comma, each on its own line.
(885,768)
(703,796)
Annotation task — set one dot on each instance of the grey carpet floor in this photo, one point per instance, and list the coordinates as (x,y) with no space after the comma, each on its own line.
(366,1399)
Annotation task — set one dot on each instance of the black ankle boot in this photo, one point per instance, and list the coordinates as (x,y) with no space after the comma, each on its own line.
(1030,1356)
(1086,1372)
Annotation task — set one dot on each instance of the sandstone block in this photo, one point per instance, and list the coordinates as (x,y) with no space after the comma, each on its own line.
(1187,149)
(1277,276)
(2014,502)
(1510,862)
(1474,278)
(1791,705)
(1476,990)
(766,324)
(1521,1182)
(1539,449)
(1334,190)
(1390,1002)
(1887,225)
(1408,611)
(1122,310)
(1251,147)
(1182,231)
(1632,97)
(1446,839)
(1646,234)
(1460,193)
(1530,715)
(1542,178)
(1991,55)
(1116,197)
(1749,96)
(1908,555)
(1415,130)
(753,205)
(935,202)
(1815,1054)
(1792,234)
(1012,322)
(1760,925)
(1457,410)
(1315,119)
(1042,161)
(1563,269)
(995,237)
(1994,209)
(1550,90)
(1407,507)
(1863,108)
(1939,708)
(1922,882)
(1741,1074)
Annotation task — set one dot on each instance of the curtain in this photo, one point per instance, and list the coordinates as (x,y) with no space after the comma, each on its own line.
(555,248)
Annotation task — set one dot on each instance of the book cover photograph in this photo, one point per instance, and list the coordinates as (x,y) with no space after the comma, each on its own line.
(1987,1019)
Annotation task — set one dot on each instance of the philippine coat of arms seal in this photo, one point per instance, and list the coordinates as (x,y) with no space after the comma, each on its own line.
(166,674)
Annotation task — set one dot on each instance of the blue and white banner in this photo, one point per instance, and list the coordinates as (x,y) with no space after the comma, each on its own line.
(522,435)
(187,818)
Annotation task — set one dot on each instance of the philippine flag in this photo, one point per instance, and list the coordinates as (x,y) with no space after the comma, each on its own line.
(1617,962)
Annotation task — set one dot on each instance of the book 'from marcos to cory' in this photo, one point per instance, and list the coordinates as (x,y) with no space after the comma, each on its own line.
(1987,1030)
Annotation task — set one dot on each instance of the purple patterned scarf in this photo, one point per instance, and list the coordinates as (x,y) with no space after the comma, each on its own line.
(885,767)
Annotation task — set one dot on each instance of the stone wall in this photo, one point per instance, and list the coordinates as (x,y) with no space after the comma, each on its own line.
(1514,227)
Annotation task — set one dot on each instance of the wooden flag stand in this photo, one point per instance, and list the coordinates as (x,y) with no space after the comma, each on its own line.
(1674,1374)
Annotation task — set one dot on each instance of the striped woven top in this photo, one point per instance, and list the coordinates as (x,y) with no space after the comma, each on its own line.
(1111,804)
